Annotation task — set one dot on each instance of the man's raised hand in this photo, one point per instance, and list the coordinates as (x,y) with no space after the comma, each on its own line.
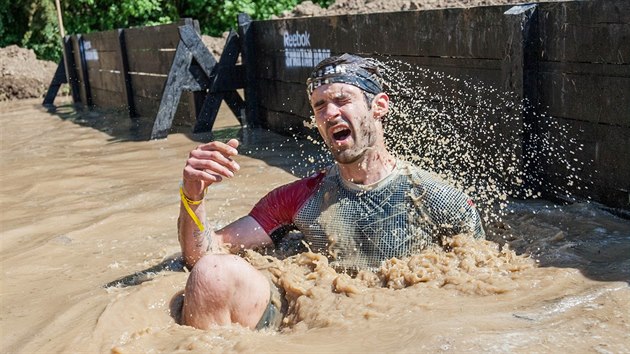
(207,164)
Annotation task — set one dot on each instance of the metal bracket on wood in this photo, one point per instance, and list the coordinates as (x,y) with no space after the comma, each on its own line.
(195,69)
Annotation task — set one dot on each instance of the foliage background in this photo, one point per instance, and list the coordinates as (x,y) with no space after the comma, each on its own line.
(33,23)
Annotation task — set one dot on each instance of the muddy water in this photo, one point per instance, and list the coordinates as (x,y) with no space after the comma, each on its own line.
(84,205)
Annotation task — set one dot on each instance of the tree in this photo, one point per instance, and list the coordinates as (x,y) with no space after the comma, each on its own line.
(33,23)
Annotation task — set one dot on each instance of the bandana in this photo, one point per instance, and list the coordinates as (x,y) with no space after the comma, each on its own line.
(351,74)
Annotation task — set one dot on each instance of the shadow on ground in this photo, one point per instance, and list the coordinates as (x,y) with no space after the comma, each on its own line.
(298,156)
(587,236)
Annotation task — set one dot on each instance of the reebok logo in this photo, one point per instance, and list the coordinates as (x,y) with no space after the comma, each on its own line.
(297,40)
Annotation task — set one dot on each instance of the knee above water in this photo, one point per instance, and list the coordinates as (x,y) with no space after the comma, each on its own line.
(219,270)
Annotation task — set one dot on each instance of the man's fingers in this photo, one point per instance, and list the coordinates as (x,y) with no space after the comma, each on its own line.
(193,174)
(233,143)
(208,159)
(212,162)
(212,166)
(228,149)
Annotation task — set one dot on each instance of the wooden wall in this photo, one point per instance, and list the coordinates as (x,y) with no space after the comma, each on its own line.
(104,68)
(581,71)
(569,60)
(150,51)
(127,69)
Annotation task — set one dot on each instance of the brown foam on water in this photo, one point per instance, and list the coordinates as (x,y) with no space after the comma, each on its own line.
(313,288)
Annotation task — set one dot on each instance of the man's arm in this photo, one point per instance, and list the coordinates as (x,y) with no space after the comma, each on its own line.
(459,214)
(451,209)
(208,164)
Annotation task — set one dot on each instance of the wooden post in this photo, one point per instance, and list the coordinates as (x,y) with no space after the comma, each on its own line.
(59,78)
(62,35)
(71,69)
(214,82)
(223,89)
(65,73)
(124,64)
(519,81)
(249,60)
(86,81)
(172,91)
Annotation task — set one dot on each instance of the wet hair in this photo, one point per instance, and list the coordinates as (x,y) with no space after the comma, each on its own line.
(348,69)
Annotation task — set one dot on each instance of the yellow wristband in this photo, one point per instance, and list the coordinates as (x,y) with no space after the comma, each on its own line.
(186,202)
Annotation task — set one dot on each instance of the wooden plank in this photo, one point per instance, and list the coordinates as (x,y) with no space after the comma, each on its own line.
(462,75)
(271,65)
(170,95)
(236,104)
(153,37)
(124,71)
(185,115)
(72,69)
(589,31)
(283,123)
(106,80)
(78,69)
(150,61)
(105,61)
(284,97)
(148,86)
(105,41)
(609,11)
(199,51)
(108,99)
(208,113)
(247,37)
(148,108)
(468,87)
(605,173)
(478,32)
(86,78)
(494,135)
(593,98)
(58,78)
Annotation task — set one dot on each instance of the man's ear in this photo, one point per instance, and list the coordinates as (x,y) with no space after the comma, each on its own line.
(380,105)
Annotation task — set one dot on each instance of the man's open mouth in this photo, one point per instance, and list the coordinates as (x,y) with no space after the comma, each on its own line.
(341,133)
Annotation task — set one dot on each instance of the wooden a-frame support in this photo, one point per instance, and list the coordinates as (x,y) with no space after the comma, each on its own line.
(62,76)
(195,69)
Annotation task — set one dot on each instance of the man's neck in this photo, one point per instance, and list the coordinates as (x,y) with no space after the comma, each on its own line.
(373,167)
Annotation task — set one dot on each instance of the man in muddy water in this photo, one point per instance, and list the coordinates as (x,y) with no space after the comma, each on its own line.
(366,208)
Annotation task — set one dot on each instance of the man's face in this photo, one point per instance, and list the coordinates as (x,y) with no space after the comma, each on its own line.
(345,121)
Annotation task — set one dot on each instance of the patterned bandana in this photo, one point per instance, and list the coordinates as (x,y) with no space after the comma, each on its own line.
(346,73)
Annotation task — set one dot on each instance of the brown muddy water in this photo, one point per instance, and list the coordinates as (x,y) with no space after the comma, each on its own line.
(84,204)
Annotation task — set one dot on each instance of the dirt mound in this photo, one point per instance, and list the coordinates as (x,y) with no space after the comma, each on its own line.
(215,44)
(23,75)
(346,7)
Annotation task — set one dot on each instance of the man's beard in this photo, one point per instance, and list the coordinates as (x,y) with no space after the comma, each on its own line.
(355,152)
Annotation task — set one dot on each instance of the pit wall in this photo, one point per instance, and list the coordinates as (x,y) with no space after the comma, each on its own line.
(127,69)
(569,60)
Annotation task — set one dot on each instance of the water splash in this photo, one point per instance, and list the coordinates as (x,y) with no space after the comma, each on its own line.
(481,139)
